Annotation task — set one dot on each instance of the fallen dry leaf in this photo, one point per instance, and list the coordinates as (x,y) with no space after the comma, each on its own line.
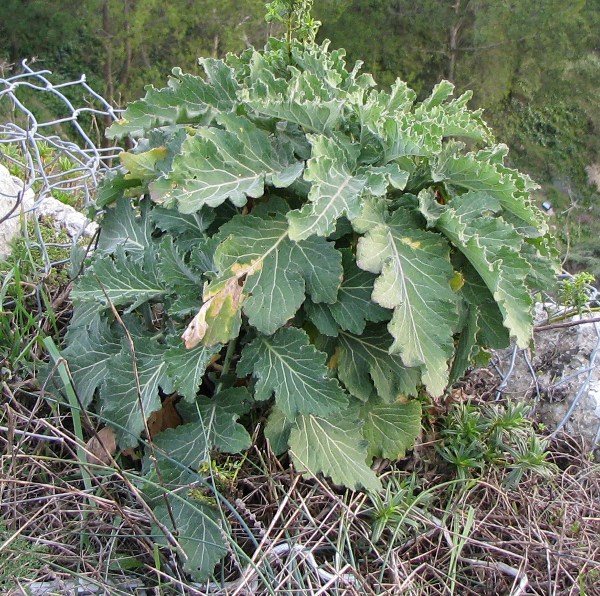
(102,446)
(166,417)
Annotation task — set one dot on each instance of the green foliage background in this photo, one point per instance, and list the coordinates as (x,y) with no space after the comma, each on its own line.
(534,67)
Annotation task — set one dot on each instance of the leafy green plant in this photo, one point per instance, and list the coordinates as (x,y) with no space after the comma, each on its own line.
(391,508)
(497,435)
(574,292)
(286,242)
(295,16)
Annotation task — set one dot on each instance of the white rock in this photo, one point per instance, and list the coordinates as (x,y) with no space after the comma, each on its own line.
(9,195)
(63,216)
(564,364)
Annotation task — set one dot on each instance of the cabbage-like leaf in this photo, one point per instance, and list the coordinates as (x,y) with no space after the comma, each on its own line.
(198,530)
(335,191)
(142,166)
(187,367)
(422,132)
(131,391)
(484,172)
(354,307)
(365,363)
(234,162)
(391,428)
(491,330)
(89,352)
(174,222)
(415,281)
(493,248)
(287,365)
(272,272)
(187,100)
(304,100)
(468,347)
(277,431)
(178,279)
(216,428)
(335,448)
(120,282)
(121,227)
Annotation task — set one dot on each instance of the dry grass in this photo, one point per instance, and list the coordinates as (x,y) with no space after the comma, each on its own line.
(467,537)
(66,523)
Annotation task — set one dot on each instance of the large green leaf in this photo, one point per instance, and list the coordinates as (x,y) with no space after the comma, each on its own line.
(391,428)
(422,132)
(304,101)
(85,314)
(483,172)
(491,330)
(354,307)
(277,431)
(187,367)
(335,190)
(274,271)
(89,352)
(415,281)
(191,444)
(121,227)
(188,99)
(220,414)
(320,316)
(403,136)
(198,530)
(337,449)
(493,248)
(121,282)
(179,224)
(178,279)
(365,363)
(233,162)
(287,365)
(131,391)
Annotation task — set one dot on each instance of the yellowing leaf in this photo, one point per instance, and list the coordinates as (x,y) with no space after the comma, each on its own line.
(278,272)
(219,318)
(142,165)
(457,281)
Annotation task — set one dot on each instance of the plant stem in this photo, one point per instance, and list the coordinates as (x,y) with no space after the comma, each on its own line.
(226,363)
(290,25)
(567,324)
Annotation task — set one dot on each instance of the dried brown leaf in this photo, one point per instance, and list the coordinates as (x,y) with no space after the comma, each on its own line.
(102,447)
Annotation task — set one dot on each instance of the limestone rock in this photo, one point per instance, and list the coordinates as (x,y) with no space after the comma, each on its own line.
(63,216)
(564,366)
(10,192)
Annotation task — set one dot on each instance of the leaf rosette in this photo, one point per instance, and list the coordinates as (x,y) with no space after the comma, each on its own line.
(283,225)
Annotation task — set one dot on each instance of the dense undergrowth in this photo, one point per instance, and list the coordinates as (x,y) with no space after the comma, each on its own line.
(446,520)
(290,253)
(132,463)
